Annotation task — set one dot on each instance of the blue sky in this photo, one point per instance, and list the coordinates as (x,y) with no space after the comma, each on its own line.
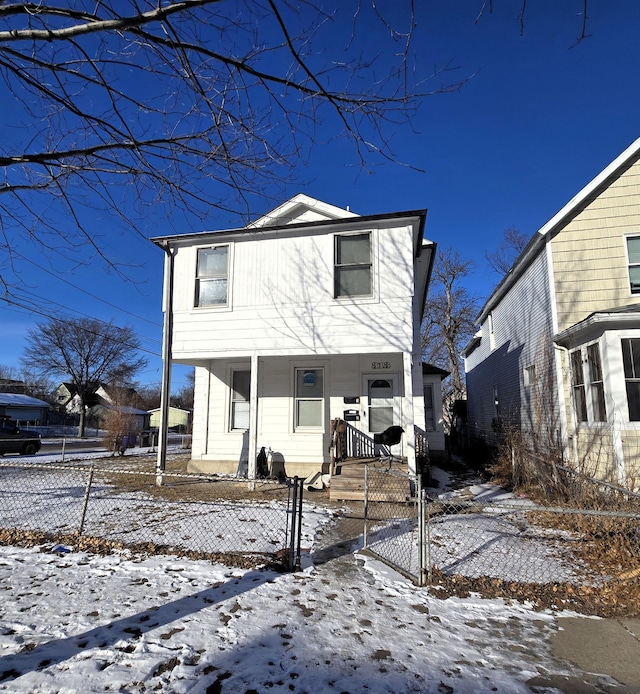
(537,118)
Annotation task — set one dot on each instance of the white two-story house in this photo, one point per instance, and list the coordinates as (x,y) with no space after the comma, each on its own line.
(311,313)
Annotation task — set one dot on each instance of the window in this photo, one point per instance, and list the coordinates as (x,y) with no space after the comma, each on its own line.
(240,392)
(212,276)
(353,265)
(577,384)
(633,254)
(309,398)
(631,361)
(596,385)
(530,375)
(492,335)
(429,412)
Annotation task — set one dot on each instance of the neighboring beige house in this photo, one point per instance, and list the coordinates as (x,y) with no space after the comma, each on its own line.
(308,315)
(178,419)
(558,350)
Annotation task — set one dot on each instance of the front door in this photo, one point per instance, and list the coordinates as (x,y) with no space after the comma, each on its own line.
(383,405)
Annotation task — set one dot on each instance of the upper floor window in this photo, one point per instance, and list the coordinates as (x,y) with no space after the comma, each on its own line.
(631,361)
(633,254)
(212,275)
(353,265)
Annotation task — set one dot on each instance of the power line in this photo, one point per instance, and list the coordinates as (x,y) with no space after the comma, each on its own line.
(84,291)
(31,309)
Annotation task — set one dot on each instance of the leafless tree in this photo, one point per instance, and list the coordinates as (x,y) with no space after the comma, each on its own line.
(513,243)
(185,105)
(85,352)
(450,313)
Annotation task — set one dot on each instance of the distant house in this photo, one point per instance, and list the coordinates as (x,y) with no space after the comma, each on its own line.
(23,408)
(307,316)
(10,385)
(558,349)
(178,419)
(104,399)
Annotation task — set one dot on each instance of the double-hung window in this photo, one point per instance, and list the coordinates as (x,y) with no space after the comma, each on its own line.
(633,255)
(587,384)
(596,384)
(212,276)
(240,390)
(309,398)
(578,386)
(353,265)
(631,361)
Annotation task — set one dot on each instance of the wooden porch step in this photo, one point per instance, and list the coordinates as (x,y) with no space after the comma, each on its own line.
(348,485)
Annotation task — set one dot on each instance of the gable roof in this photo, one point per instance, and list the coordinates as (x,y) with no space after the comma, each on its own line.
(562,217)
(300,208)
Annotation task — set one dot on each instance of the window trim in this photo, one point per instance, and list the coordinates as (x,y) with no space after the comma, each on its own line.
(338,266)
(630,264)
(198,278)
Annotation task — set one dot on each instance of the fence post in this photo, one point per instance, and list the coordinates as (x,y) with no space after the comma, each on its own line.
(297,564)
(85,503)
(422,532)
(365,511)
(63,442)
(294,529)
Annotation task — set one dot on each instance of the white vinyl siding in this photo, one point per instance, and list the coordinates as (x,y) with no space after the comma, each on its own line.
(282,291)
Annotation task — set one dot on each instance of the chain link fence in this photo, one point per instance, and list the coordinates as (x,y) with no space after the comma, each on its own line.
(199,515)
(586,543)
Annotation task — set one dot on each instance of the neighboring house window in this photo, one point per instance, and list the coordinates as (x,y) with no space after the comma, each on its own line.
(353,265)
(492,335)
(596,385)
(530,375)
(633,254)
(212,275)
(631,361)
(240,390)
(309,398)
(577,384)
(429,410)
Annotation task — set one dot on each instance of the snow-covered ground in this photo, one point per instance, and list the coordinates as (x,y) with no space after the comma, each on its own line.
(76,622)
(72,622)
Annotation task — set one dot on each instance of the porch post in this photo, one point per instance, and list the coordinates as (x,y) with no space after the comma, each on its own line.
(253,419)
(409,433)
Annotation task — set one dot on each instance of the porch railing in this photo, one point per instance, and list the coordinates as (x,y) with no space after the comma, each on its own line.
(348,442)
(422,446)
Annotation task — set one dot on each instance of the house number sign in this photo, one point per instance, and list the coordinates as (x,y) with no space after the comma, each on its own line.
(380,364)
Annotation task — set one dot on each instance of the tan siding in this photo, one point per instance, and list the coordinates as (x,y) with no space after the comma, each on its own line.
(589,255)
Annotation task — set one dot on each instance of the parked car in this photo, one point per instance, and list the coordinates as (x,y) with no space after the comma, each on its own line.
(12,440)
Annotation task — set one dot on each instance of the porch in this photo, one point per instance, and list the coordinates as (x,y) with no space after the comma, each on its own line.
(352,450)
